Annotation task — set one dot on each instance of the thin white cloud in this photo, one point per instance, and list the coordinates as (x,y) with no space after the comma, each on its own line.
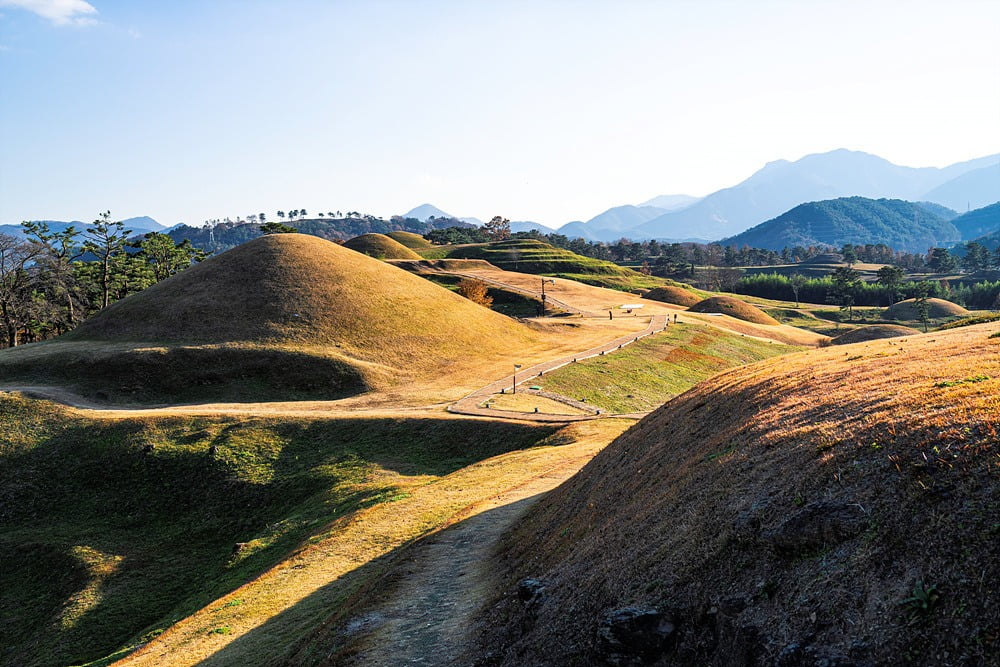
(60,12)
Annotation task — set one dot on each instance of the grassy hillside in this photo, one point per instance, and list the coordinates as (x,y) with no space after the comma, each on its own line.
(111,530)
(409,239)
(899,224)
(826,508)
(258,316)
(380,246)
(645,374)
(936,309)
(671,294)
(531,256)
(873,332)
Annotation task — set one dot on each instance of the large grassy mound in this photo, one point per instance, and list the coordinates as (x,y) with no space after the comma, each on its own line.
(409,239)
(936,308)
(112,530)
(280,313)
(727,305)
(811,509)
(532,256)
(671,294)
(380,246)
(873,332)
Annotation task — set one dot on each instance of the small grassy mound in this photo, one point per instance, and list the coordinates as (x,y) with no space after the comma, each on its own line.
(249,317)
(380,246)
(873,332)
(110,531)
(727,305)
(936,308)
(828,509)
(532,256)
(675,295)
(409,239)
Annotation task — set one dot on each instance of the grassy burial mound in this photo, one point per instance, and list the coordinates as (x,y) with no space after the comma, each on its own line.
(873,332)
(671,294)
(409,239)
(727,305)
(113,530)
(282,317)
(811,509)
(380,246)
(532,256)
(936,309)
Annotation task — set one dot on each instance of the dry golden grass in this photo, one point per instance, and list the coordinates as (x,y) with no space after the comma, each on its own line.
(873,332)
(282,609)
(687,511)
(383,325)
(936,308)
(728,305)
(675,295)
(380,246)
(525,402)
(410,240)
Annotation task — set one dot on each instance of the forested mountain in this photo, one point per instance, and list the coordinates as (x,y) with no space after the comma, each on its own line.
(978,223)
(898,224)
(781,185)
(225,235)
(426,211)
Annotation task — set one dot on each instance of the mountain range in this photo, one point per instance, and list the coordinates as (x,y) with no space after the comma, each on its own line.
(780,186)
(139,225)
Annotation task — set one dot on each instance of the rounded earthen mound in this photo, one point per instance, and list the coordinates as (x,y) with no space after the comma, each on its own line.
(727,305)
(675,295)
(936,308)
(410,240)
(380,246)
(873,332)
(300,289)
(787,508)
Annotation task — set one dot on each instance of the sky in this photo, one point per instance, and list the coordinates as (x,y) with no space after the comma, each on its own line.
(539,110)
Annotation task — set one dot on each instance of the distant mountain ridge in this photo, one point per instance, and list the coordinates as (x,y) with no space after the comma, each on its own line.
(139,225)
(901,225)
(781,185)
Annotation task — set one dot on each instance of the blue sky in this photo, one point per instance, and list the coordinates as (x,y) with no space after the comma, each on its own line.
(549,111)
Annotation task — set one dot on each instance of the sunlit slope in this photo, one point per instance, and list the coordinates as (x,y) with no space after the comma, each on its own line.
(838,505)
(283,309)
(380,246)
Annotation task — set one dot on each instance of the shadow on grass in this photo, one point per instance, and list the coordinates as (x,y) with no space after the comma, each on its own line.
(162,506)
(334,622)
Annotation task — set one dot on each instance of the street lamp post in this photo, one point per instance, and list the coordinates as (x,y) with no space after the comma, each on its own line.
(516,367)
(545,280)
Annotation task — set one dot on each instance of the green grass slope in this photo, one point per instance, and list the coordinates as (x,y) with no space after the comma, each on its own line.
(532,256)
(380,246)
(257,316)
(814,509)
(936,309)
(112,530)
(901,225)
(644,375)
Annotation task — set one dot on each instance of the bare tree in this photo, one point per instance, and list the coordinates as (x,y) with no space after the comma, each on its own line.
(16,285)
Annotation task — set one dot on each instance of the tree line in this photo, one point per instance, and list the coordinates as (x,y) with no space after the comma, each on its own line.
(51,280)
